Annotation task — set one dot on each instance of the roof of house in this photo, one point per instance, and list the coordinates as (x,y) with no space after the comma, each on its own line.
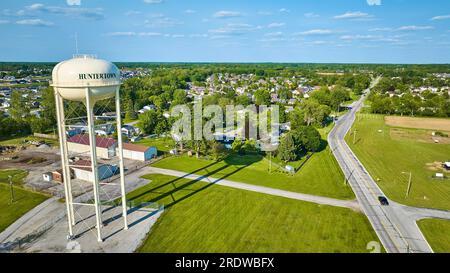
(83,165)
(135,147)
(59,171)
(86,165)
(102,142)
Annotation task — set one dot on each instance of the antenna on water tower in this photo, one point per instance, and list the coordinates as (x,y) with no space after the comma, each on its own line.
(76,42)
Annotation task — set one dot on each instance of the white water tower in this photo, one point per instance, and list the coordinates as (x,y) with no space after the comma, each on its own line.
(87,79)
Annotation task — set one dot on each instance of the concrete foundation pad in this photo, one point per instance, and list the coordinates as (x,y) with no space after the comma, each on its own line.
(115,238)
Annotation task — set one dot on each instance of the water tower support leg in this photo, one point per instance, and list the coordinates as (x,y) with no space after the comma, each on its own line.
(92,141)
(121,165)
(67,178)
(61,131)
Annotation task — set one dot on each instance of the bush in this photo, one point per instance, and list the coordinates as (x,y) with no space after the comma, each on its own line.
(440,134)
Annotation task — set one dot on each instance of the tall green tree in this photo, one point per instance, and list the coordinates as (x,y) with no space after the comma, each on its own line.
(148,121)
(262,97)
(287,151)
(20,107)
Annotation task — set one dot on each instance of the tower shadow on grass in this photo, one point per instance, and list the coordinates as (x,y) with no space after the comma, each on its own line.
(184,187)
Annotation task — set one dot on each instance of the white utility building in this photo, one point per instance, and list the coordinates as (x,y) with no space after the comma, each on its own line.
(139,152)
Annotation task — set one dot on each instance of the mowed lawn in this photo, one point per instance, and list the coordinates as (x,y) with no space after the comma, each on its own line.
(202,217)
(162,144)
(386,158)
(24,200)
(20,140)
(437,233)
(319,176)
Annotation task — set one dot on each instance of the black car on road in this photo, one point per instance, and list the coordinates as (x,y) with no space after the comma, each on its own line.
(383,201)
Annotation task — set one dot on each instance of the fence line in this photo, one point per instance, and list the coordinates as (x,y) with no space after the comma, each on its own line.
(45,136)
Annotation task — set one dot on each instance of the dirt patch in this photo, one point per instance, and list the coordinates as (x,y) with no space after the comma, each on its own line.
(31,160)
(436,167)
(30,157)
(438,124)
(423,136)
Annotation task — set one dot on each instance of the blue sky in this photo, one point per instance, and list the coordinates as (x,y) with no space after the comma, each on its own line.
(375,31)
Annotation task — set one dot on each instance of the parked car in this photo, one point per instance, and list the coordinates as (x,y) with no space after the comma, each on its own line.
(383,201)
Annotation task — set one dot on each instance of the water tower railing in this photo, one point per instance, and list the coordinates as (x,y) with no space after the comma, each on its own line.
(84,56)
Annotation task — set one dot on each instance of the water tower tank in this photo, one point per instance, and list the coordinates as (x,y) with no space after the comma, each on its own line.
(71,78)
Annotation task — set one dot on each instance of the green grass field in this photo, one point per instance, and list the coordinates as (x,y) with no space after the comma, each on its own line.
(202,217)
(319,176)
(24,200)
(162,144)
(386,158)
(437,233)
(20,140)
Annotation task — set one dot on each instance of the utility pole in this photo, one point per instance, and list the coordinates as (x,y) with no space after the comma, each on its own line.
(270,162)
(409,183)
(354,137)
(11,188)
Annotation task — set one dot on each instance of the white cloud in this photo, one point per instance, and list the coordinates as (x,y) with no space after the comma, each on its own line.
(153,1)
(381,29)
(74,2)
(190,11)
(317,43)
(317,32)
(401,29)
(284,10)
(264,13)
(274,34)
(132,12)
(2,22)
(234,29)
(360,37)
(356,15)
(159,20)
(131,33)
(311,15)
(119,33)
(227,14)
(373,38)
(198,35)
(270,39)
(151,34)
(374,2)
(441,17)
(35,22)
(274,25)
(414,28)
(89,13)
(35,6)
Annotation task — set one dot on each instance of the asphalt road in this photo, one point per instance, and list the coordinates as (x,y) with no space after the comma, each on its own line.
(351,204)
(395,224)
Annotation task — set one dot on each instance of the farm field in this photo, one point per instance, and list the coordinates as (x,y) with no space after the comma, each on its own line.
(441,124)
(437,233)
(389,159)
(320,175)
(202,217)
(24,200)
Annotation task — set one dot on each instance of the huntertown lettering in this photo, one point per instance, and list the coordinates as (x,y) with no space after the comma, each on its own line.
(96,76)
